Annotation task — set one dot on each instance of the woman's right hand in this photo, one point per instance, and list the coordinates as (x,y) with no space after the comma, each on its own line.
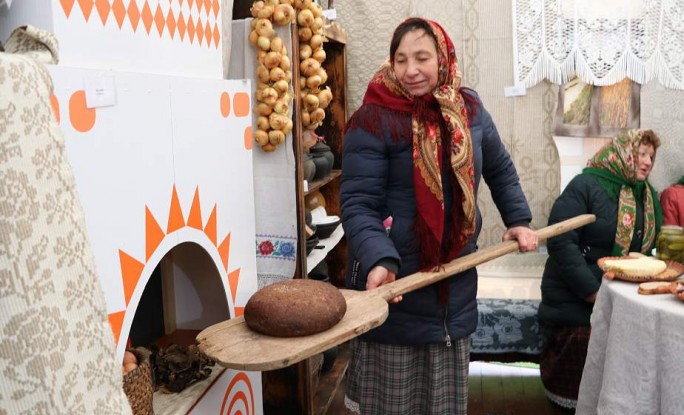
(380,275)
(591,298)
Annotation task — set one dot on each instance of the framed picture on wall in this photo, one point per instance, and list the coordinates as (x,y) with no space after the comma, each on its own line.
(586,110)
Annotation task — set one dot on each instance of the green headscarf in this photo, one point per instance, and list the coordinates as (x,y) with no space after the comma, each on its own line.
(616,165)
(681,181)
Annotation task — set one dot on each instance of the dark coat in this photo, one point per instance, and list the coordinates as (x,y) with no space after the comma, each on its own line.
(571,273)
(377,182)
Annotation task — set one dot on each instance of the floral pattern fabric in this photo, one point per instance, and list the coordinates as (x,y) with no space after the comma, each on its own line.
(276,247)
(507,326)
(57,351)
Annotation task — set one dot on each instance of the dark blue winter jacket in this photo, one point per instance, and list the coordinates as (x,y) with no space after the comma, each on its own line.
(377,182)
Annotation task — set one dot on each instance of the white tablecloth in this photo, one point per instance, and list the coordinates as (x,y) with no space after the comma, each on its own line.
(635,361)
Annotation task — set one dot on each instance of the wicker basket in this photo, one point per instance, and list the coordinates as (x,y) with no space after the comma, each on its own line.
(138,384)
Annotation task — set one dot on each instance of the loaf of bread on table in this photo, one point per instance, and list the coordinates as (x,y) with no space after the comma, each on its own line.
(654,287)
(636,266)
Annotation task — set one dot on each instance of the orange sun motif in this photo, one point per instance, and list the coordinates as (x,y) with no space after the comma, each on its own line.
(238,398)
(132,268)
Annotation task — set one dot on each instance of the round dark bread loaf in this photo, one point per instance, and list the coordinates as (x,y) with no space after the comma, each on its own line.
(296,307)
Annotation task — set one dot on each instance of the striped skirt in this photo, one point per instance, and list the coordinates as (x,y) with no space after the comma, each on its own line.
(385,379)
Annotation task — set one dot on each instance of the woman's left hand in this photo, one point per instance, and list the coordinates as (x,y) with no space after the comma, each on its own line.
(526,237)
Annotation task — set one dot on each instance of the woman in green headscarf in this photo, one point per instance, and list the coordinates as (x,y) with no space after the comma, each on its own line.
(614,187)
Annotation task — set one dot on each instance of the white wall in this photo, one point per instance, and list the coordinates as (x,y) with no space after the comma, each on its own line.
(574,153)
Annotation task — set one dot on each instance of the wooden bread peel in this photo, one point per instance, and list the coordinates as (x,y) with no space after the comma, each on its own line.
(232,344)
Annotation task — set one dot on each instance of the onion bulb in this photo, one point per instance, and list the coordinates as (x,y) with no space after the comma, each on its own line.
(264,43)
(323,74)
(263,109)
(276,44)
(268,147)
(262,123)
(324,97)
(317,115)
(281,86)
(302,4)
(317,24)
(316,9)
(269,96)
(281,106)
(311,102)
(313,81)
(277,121)
(305,18)
(304,51)
(276,137)
(129,357)
(319,55)
(309,66)
(264,28)
(253,37)
(316,41)
(261,137)
(272,59)
(277,74)
(285,62)
(305,34)
(256,8)
(265,12)
(288,127)
(283,14)
(263,74)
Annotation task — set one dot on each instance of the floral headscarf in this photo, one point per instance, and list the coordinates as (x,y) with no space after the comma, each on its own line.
(616,164)
(446,102)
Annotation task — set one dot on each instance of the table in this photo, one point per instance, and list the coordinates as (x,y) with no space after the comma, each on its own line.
(635,361)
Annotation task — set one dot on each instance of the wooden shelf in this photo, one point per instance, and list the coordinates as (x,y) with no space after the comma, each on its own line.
(319,254)
(317,184)
(334,32)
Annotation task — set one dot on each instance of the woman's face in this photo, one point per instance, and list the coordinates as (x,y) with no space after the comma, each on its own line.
(415,63)
(646,155)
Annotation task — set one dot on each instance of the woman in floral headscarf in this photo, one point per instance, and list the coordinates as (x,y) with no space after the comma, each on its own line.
(414,152)
(614,187)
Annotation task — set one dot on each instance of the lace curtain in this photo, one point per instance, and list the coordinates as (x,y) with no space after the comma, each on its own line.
(599,42)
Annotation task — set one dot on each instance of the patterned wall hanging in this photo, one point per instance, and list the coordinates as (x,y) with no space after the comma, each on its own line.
(599,42)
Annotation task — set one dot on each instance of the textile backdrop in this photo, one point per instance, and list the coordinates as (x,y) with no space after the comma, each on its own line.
(661,111)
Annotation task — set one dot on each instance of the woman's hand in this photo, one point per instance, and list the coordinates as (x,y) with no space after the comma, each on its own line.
(526,237)
(380,275)
(591,298)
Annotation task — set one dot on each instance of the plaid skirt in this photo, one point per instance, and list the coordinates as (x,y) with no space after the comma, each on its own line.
(385,379)
(562,362)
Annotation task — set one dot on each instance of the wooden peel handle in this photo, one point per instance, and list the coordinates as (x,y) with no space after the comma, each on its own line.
(422,279)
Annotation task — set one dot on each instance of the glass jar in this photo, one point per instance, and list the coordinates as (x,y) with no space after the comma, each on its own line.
(670,244)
